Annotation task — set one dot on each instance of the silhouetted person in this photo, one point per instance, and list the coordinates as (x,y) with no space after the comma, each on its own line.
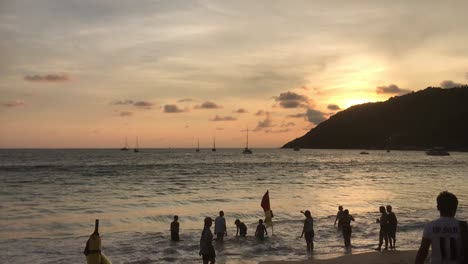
(339,217)
(392,226)
(241,227)
(308,230)
(175,229)
(220,226)
(445,234)
(383,234)
(346,227)
(261,230)
(206,246)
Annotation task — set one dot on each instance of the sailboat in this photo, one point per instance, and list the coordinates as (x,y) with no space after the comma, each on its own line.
(214,145)
(125,148)
(198,146)
(247,150)
(137,148)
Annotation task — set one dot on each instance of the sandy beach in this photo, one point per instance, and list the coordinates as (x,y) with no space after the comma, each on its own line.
(384,257)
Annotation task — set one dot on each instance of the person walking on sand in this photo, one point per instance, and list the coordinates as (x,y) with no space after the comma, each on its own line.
(207,250)
(308,230)
(175,229)
(240,227)
(220,227)
(346,228)
(392,227)
(447,236)
(383,233)
(261,230)
(339,217)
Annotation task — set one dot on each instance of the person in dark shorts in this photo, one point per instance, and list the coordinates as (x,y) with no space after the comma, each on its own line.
(175,229)
(261,230)
(308,230)
(207,250)
(383,233)
(392,226)
(346,227)
(339,217)
(241,228)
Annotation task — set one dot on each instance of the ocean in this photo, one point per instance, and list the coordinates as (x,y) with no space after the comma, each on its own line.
(50,198)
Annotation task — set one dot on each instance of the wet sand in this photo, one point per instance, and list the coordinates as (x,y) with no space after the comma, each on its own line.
(384,257)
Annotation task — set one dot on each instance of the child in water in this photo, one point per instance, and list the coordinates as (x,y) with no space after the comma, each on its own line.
(261,230)
(240,227)
(175,229)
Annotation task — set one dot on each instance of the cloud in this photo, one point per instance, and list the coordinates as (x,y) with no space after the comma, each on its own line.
(219,128)
(449,84)
(124,102)
(391,89)
(266,123)
(315,116)
(292,100)
(208,105)
(333,107)
(184,100)
(125,113)
(48,78)
(143,104)
(288,124)
(241,111)
(16,103)
(297,115)
(172,109)
(223,118)
(261,112)
(277,131)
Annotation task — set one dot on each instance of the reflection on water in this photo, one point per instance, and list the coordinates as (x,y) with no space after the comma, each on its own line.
(50,198)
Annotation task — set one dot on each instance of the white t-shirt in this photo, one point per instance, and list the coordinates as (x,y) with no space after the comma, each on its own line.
(446,241)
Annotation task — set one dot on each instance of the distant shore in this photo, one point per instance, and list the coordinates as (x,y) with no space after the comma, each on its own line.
(384,257)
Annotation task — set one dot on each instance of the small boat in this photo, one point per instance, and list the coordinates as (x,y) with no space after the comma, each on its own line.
(125,148)
(438,151)
(246,149)
(214,145)
(137,148)
(364,153)
(198,146)
(296,148)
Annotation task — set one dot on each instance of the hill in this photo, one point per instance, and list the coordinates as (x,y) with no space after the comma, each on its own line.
(423,119)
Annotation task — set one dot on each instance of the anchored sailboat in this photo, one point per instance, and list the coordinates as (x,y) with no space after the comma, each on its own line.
(125,148)
(137,148)
(214,145)
(247,150)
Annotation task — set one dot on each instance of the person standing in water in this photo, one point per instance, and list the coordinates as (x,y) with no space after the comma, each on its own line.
(240,227)
(383,234)
(207,250)
(308,230)
(261,230)
(392,226)
(447,236)
(339,216)
(346,227)
(220,227)
(175,229)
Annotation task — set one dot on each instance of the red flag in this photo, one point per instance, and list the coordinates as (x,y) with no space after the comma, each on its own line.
(266,202)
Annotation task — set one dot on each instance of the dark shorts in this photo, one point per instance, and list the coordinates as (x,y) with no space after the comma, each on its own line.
(211,256)
(309,236)
(220,236)
(392,230)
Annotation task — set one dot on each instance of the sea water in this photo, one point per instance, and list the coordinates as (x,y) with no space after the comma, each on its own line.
(49,200)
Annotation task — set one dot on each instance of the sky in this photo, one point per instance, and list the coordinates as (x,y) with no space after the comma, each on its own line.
(90,73)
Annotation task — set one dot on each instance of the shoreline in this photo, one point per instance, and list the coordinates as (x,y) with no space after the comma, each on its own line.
(382,257)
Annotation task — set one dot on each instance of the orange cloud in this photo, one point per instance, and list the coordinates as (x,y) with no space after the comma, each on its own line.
(16,103)
(52,78)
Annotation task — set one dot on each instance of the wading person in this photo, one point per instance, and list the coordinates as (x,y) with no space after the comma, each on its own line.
(220,227)
(346,228)
(175,229)
(447,236)
(261,230)
(241,228)
(339,217)
(308,230)
(392,226)
(206,243)
(383,233)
